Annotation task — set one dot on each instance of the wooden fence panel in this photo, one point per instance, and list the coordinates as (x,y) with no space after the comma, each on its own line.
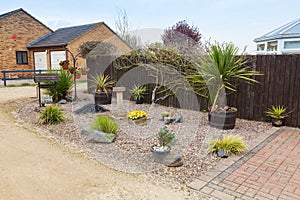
(279,85)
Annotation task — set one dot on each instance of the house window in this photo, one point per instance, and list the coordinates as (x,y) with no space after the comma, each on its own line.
(292,45)
(260,47)
(21,57)
(272,46)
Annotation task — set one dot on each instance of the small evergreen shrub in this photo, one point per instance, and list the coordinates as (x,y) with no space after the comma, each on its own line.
(165,137)
(232,144)
(105,124)
(52,115)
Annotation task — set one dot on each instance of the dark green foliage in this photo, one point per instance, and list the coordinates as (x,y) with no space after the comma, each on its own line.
(105,124)
(63,88)
(52,115)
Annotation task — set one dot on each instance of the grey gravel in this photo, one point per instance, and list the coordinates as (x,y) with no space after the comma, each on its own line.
(130,152)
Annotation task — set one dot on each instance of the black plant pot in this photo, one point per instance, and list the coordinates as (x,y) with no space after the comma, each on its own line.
(277,121)
(222,120)
(102,98)
(139,101)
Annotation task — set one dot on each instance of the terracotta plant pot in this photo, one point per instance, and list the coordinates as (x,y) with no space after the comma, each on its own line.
(65,67)
(77,76)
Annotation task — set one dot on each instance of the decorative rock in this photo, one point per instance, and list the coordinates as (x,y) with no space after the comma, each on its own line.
(46,99)
(222,153)
(69,98)
(101,137)
(90,108)
(99,108)
(63,101)
(168,120)
(178,119)
(86,130)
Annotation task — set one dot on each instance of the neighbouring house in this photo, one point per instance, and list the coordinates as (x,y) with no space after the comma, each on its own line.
(28,44)
(17,29)
(283,40)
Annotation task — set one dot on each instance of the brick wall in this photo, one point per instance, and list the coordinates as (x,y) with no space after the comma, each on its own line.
(26,29)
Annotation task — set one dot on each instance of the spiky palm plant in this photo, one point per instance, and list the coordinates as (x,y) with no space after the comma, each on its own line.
(219,68)
(138,92)
(63,87)
(102,82)
(278,112)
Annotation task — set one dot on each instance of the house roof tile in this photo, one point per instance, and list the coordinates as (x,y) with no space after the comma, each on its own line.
(62,36)
(289,30)
(21,10)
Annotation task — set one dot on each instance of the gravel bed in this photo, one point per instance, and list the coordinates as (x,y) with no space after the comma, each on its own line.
(131,150)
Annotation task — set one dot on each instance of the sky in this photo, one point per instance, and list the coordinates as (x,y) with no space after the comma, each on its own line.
(237,21)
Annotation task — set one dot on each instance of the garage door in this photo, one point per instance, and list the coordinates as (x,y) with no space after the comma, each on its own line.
(56,57)
(40,60)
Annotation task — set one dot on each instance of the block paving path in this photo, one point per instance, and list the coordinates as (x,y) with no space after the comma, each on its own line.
(269,171)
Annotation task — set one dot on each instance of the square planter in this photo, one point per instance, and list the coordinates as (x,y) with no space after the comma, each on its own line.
(141,121)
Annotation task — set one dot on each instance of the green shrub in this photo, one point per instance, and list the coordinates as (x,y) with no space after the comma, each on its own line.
(105,124)
(63,88)
(52,115)
(165,137)
(233,144)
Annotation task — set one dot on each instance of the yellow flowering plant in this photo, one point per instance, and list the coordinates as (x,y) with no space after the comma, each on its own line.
(136,114)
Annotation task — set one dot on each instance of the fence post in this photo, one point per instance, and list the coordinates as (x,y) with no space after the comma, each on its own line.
(4,77)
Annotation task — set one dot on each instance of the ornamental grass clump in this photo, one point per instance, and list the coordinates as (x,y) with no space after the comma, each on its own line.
(52,115)
(137,114)
(105,124)
(232,144)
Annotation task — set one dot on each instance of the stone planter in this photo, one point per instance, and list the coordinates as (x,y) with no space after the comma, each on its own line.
(222,153)
(102,98)
(223,121)
(160,153)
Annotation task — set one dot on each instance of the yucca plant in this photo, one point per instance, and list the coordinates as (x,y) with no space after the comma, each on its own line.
(215,73)
(105,124)
(52,115)
(138,92)
(232,144)
(102,82)
(277,112)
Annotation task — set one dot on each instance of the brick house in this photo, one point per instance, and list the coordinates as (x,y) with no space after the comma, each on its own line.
(26,43)
(17,29)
